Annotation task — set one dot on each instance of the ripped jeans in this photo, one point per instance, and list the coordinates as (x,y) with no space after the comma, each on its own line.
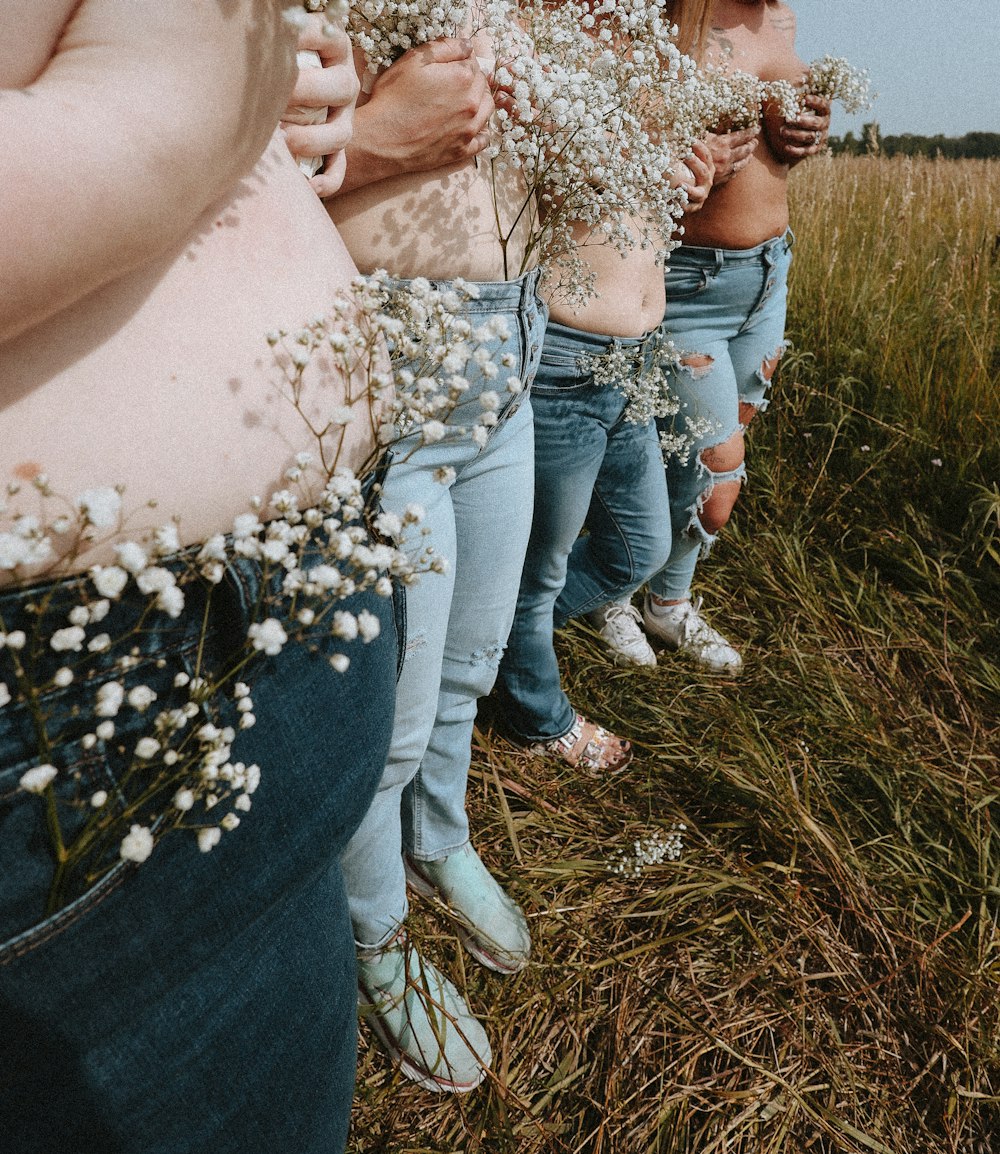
(726,310)
(478,515)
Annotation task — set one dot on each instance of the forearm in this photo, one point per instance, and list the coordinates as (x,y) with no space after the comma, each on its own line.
(133,129)
(365,164)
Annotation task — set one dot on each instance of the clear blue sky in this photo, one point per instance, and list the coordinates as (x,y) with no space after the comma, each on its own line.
(934,63)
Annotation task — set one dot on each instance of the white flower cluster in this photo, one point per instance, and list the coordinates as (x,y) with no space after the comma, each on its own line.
(582,89)
(642,377)
(837,79)
(434,346)
(584,125)
(311,560)
(680,445)
(385,29)
(659,847)
(720,99)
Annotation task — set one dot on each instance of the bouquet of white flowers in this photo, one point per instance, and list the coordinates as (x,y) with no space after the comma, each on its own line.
(836,79)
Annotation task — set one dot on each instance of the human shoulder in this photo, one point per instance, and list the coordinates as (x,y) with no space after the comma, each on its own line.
(781,17)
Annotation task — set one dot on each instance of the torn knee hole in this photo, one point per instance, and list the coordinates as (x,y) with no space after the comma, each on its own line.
(768,366)
(487,655)
(747,413)
(726,456)
(697,364)
(718,506)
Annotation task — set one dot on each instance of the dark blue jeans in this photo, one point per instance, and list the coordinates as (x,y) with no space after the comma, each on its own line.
(198,1002)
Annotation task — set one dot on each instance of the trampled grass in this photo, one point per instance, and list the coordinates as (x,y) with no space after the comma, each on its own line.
(819,971)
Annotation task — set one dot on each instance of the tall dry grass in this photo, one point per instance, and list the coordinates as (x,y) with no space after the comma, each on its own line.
(819,971)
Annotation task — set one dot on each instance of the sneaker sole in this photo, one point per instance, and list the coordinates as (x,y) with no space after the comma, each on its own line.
(427,889)
(407,1067)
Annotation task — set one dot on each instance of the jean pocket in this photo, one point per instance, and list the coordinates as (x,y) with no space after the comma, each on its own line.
(684,281)
(560,373)
(28,861)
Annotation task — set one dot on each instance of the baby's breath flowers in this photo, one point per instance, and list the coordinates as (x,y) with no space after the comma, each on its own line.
(164,728)
(385,29)
(646,852)
(641,374)
(430,337)
(579,145)
(835,78)
(582,123)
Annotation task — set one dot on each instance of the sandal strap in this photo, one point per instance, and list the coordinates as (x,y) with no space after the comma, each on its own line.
(592,755)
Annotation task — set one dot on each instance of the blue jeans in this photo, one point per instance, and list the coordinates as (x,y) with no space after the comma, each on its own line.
(199,1001)
(593,468)
(456,622)
(727,305)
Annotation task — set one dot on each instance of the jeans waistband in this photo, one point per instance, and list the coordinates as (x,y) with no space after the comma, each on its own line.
(496,296)
(242,575)
(721,256)
(597,343)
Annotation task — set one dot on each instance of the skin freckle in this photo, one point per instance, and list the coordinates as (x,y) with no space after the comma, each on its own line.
(27,470)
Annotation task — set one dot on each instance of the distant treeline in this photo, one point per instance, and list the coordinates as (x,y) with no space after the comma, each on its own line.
(971,146)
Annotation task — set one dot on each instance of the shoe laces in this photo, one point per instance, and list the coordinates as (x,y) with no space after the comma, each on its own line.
(696,628)
(623,620)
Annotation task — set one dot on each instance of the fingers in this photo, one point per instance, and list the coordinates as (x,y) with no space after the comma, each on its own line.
(800,138)
(819,104)
(702,166)
(450,50)
(328,182)
(744,137)
(334,86)
(320,119)
(320,139)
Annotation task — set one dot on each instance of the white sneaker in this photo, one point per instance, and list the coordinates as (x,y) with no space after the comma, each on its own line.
(620,627)
(682,627)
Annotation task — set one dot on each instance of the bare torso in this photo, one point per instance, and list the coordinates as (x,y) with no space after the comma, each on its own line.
(756,37)
(440,224)
(162,380)
(629,295)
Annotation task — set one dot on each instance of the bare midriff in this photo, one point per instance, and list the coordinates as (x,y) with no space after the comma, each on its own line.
(164,382)
(748,210)
(628,300)
(440,224)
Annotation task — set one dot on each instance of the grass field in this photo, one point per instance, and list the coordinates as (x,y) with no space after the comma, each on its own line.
(819,970)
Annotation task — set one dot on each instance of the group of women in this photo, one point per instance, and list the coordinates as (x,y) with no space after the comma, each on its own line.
(210,999)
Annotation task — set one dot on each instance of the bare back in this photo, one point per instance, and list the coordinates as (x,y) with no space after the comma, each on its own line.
(162,379)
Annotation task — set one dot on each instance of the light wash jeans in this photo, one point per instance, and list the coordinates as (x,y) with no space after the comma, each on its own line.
(201,1001)
(593,468)
(729,305)
(456,626)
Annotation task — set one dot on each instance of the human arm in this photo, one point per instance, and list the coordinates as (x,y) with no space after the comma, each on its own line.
(791,141)
(429,109)
(150,119)
(319,121)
